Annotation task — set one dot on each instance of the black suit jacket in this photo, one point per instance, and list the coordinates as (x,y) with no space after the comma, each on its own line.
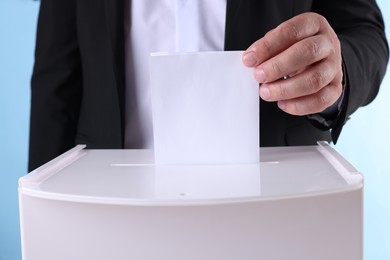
(78,85)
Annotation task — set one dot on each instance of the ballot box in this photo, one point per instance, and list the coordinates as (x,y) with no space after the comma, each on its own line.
(296,203)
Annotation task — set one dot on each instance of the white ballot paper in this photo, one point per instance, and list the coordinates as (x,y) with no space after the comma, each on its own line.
(205,108)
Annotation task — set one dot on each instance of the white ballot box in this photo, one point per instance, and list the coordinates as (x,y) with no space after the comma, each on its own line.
(298,203)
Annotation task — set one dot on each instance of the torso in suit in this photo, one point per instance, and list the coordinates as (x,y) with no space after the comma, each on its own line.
(78,85)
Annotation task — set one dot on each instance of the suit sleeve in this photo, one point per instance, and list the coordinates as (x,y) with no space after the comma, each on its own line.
(56,84)
(360,28)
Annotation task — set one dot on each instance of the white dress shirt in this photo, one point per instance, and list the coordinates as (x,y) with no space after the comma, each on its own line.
(163,26)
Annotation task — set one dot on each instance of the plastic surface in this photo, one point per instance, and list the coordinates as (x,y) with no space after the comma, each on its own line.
(299,203)
(130,177)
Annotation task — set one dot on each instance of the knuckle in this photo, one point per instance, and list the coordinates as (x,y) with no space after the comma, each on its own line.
(315,48)
(338,91)
(297,108)
(276,68)
(283,91)
(315,82)
(265,45)
(335,88)
(310,48)
(321,19)
(321,102)
(334,49)
(292,31)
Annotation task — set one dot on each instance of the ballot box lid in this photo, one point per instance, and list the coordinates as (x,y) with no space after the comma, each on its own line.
(130,177)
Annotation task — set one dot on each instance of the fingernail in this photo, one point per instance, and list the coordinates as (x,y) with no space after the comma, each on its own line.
(250,59)
(264,93)
(260,75)
(282,105)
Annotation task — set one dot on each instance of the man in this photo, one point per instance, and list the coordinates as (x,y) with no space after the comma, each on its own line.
(317,62)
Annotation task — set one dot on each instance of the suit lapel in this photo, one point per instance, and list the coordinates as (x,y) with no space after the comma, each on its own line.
(114,10)
(232,7)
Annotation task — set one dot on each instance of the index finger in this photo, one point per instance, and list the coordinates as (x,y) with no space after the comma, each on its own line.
(282,37)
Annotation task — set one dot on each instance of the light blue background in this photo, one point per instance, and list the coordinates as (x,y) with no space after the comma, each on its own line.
(363,141)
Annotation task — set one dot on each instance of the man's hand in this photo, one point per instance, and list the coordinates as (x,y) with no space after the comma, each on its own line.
(299,65)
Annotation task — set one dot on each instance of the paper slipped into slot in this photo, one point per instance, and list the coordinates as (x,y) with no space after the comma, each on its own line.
(205,109)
